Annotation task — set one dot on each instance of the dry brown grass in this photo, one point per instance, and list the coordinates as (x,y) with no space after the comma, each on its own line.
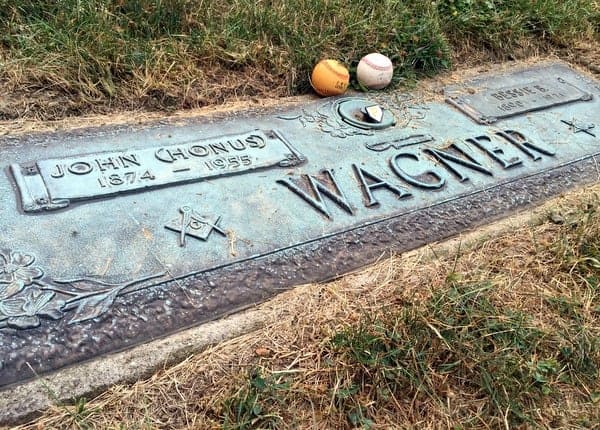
(473,63)
(70,58)
(212,85)
(215,86)
(531,263)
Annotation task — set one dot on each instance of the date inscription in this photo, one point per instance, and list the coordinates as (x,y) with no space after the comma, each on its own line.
(53,183)
(490,105)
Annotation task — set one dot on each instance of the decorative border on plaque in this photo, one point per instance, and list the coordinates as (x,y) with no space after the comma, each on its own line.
(327,117)
(53,183)
(26,295)
(489,105)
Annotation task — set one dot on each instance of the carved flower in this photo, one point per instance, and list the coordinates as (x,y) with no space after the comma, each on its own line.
(24,312)
(16,272)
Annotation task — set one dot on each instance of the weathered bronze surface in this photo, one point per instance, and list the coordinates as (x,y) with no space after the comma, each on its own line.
(487,105)
(52,184)
(111,237)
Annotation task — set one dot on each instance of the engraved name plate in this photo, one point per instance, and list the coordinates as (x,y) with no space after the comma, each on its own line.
(489,105)
(53,183)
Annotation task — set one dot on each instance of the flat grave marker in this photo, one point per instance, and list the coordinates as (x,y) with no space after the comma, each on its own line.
(116,236)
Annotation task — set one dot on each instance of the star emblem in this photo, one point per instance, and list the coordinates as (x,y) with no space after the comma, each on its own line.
(578,127)
(192,223)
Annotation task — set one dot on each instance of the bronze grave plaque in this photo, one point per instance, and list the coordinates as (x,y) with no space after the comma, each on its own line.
(110,237)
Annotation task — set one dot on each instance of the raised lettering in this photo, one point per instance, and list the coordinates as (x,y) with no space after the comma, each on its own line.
(115,172)
(449,161)
(418,179)
(59,173)
(107,163)
(128,160)
(177,153)
(497,153)
(80,168)
(237,144)
(370,182)
(198,151)
(319,189)
(255,141)
(163,155)
(218,148)
(147,175)
(524,145)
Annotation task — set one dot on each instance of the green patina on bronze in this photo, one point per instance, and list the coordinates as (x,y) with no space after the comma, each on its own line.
(115,236)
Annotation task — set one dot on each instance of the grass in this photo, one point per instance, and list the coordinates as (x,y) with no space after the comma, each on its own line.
(65,57)
(500,332)
(244,409)
(504,332)
(461,342)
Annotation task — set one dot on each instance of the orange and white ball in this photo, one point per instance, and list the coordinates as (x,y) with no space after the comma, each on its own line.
(330,78)
(375,71)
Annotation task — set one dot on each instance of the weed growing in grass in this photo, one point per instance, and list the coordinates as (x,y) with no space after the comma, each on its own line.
(251,406)
(460,338)
(460,342)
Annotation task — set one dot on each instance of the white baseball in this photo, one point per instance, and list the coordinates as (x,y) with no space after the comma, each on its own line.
(375,71)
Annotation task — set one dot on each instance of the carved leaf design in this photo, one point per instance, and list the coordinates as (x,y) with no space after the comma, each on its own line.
(23,322)
(10,289)
(83,284)
(36,300)
(21,303)
(94,306)
(53,310)
(23,311)
(12,307)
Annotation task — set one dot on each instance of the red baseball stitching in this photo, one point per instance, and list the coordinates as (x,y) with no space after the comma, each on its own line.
(335,72)
(376,67)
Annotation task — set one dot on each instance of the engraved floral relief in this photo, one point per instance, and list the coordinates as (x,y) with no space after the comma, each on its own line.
(16,272)
(26,296)
(405,107)
(325,117)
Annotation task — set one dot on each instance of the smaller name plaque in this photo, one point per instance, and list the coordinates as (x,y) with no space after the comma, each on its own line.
(492,104)
(53,183)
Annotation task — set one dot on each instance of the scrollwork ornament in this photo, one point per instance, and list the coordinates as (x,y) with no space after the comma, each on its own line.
(292,160)
(328,121)
(326,118)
